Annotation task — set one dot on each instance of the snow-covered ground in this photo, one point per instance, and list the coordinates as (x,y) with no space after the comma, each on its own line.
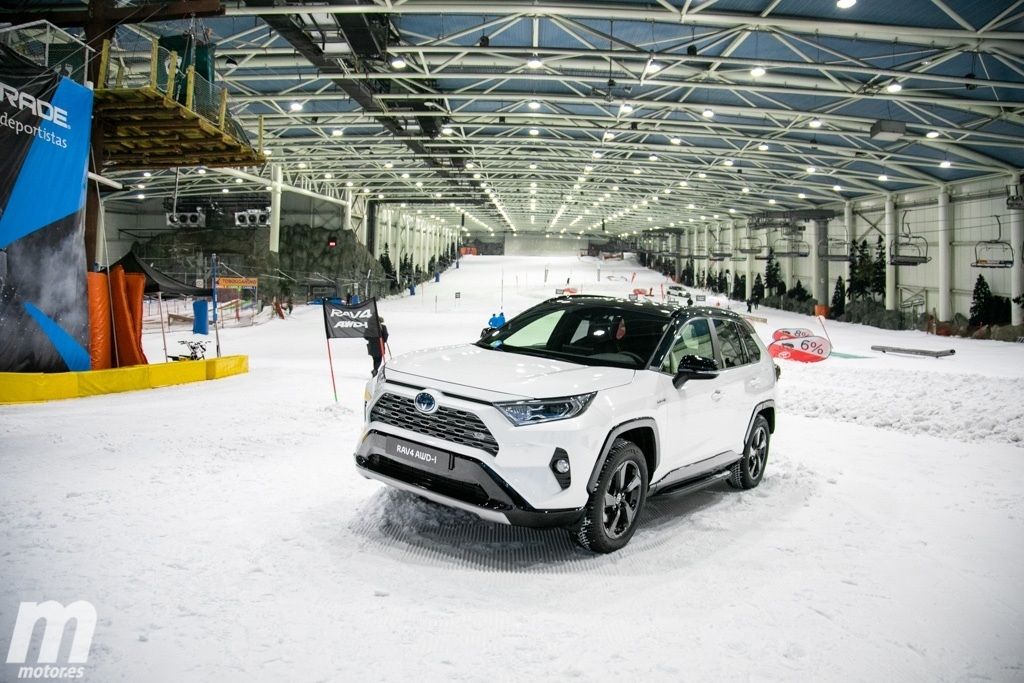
(223,535)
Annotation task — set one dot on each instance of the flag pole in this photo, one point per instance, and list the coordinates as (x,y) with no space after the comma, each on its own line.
(330,361)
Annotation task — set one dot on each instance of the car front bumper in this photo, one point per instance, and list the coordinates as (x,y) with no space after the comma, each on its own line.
(461,482)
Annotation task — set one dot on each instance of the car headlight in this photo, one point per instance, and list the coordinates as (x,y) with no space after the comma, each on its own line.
(522,413)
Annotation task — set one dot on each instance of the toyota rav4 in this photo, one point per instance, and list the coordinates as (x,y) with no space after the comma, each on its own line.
(574,413)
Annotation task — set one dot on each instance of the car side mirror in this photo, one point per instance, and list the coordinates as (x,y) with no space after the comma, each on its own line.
(694,367)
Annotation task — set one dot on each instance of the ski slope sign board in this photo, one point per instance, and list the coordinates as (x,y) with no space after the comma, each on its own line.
(804,349)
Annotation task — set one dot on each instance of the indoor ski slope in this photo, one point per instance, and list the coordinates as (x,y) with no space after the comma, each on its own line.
(223,535)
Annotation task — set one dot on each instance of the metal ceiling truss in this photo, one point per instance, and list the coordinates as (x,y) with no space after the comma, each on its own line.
(455,125)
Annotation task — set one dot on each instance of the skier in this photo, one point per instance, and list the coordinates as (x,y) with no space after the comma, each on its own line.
(375,347)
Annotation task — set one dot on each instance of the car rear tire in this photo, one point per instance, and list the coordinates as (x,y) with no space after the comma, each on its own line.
(749,470)
(613,511)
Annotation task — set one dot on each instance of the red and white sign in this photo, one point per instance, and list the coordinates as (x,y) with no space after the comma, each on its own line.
(803,349)
(791,333)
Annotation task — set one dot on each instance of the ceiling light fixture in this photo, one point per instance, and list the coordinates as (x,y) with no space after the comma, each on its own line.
(814,123)
(337,133)
(811,169)
(758,71)
(883,178)
(295,106)
(397,62)
(626,108)
(708,113)
(447,130)
(534,131)
(535,62)
(763,147)
(894,87)
(932,134)
(533,104)
(837,188)
(845,4)
(945,163)
(676,141)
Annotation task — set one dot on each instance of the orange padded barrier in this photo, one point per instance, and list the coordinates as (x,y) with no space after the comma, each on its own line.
(99,322)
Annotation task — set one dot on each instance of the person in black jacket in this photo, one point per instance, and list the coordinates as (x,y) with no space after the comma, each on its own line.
(375,346)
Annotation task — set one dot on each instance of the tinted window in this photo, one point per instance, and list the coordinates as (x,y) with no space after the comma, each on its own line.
(693,339)
(731,343)
(750,344)
(589,334)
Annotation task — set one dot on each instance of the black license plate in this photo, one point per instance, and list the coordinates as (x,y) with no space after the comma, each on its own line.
(417,455)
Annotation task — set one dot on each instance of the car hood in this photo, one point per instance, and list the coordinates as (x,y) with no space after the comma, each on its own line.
(514,374)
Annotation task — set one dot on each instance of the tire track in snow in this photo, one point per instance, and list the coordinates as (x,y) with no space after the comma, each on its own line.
(675,531)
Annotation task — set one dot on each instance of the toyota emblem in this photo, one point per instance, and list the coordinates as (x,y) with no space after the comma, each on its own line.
(425,402)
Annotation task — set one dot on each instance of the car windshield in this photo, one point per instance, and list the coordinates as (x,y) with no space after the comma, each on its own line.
(597,334)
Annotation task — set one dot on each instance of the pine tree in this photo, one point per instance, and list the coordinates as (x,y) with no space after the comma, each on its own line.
(739,288)
(981,302)
(878,269)
(798,292)
(860,273)
(772,272)
(838,299)
(757,290)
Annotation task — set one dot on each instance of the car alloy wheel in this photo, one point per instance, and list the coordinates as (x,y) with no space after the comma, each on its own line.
(622,499)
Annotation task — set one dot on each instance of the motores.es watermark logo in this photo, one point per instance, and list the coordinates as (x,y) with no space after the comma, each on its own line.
(55,618)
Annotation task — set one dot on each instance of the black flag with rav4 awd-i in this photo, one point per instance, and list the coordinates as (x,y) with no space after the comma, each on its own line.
(352,321)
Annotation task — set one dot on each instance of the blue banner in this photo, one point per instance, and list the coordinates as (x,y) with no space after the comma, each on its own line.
(45,126)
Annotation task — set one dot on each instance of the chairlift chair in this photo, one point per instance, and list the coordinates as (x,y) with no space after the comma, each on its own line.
(750,245)
(700,253)
(908,249)
(996,253)
(721,250)
(787,246)
(685,252)
(764,254)
(834,249)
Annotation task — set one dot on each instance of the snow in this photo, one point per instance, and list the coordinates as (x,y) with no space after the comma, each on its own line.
(223,534)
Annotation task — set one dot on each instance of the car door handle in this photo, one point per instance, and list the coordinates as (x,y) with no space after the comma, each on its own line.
(716,395)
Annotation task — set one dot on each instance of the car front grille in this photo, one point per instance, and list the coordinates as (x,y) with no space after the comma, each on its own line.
(448,424)
(465,491)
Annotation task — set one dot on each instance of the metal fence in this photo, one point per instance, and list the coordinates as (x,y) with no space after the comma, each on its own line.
(46,45)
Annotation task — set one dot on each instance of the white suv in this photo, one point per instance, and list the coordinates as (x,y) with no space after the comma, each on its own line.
(573,413)
(677,295)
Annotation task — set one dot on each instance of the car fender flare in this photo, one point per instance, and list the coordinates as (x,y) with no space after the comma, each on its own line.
(770,403)
(610,441)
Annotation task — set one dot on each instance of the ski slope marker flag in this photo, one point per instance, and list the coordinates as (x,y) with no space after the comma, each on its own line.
(347,321)
(355,321)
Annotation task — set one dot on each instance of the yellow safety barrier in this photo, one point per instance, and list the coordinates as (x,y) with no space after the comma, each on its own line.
(33,387)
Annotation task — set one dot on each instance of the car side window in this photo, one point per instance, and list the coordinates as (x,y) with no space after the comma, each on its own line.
(731,343)
(693,339)
(750,344)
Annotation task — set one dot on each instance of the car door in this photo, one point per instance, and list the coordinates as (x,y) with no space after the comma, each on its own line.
(692,423)
(741,380)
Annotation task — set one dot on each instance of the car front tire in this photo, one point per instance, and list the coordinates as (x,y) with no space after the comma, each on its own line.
(749,470)
(613,511)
